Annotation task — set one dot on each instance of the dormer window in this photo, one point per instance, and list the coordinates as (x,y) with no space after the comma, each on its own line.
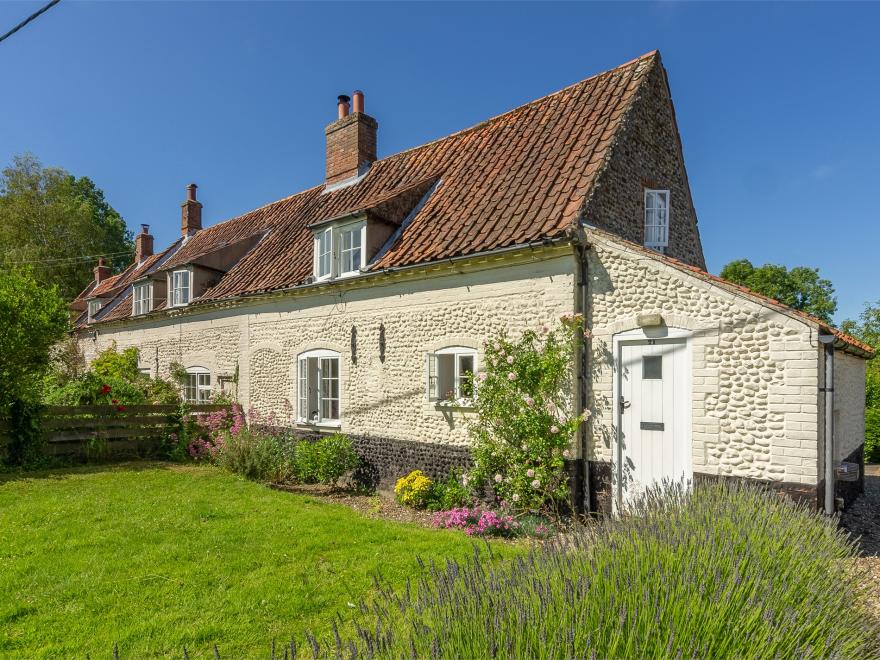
(657,219)
(181,288)
(94,308)
(339,250)
(142,298)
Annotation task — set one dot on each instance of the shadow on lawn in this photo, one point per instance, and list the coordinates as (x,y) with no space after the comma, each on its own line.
(65,471)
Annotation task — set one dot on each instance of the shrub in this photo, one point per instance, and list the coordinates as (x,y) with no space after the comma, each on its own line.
(477,522)
(525,423)
(872,434)
(325,460)
(414,489)
(726,571)
(253,455)
(448,494)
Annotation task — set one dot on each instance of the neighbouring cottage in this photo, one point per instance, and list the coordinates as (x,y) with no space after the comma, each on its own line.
(362,304)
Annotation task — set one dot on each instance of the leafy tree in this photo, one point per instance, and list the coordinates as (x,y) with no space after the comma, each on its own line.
(51,221)
(867,328)
(800,288)
(33,318)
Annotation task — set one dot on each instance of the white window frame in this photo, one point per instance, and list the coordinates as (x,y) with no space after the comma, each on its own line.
(321,253)
(314,398)
(433,389)
(144,305)
(177,290)
(329,252)
(94,306)
(656,233)
(198,383)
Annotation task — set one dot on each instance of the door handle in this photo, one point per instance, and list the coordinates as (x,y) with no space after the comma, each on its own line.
(622,404)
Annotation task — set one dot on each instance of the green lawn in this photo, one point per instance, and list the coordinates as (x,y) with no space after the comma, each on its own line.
(155,556)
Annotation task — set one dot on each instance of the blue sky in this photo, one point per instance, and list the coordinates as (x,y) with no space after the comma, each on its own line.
(777,103)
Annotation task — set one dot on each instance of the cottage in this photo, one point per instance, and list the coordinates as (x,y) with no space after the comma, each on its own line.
(362,304)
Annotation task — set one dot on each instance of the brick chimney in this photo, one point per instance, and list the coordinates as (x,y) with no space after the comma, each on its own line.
(191,212)
(143,245)
(351,140)
(102,271)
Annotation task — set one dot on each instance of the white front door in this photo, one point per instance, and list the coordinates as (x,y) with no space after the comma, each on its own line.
(653,413)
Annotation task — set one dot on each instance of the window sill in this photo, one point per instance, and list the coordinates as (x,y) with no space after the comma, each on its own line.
(319,425)
(459,404)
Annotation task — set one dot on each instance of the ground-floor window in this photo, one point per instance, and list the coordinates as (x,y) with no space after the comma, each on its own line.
(450,373)
(197,388)
(318,387)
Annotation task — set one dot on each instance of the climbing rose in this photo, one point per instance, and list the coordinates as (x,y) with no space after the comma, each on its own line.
(536,484)
(483,376)
(586,415)
(509,359)
(554,429)
(498,478)
(566,453)
(511,376)
(530,473)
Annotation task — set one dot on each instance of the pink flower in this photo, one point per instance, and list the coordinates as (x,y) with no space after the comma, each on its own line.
(511,376)
(483,376)
(509,359)
(536,484)
(498,478)
(515,497)
(566,453)
(586,415)
(529,401)
(554,429)
(530,473)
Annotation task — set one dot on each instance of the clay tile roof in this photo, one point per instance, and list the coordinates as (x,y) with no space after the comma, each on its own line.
(519,177)
(856,346)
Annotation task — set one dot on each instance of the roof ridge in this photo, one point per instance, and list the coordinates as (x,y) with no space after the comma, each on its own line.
(646,56)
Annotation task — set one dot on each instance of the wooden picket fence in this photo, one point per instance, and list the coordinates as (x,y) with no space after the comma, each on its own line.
(101,431)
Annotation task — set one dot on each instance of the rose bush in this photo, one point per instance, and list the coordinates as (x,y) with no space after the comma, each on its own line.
(525,421)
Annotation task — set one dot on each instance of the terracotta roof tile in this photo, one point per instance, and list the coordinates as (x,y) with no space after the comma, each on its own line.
(521,176)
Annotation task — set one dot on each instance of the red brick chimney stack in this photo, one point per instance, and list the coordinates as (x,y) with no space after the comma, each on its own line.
(102,271)
(191,212)
(351,141)
(143,244)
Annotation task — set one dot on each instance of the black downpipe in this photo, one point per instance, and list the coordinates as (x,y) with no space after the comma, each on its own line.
(584,347)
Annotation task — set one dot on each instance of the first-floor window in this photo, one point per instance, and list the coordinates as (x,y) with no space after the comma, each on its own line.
(318,387)
(180,287)
(451,373)
(142,298)
(197,388)
(94,308)
(656,218)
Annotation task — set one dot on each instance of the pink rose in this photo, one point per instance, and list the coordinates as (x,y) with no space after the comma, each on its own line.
(509,359)
(530,473)
(536,484)
(498,478)
(554,429)
(566,453)
(511,376)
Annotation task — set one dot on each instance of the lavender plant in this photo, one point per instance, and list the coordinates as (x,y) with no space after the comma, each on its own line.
(722,571)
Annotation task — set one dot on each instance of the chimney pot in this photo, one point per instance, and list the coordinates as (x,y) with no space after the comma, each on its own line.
(343,106)
(190,212)
(358,97)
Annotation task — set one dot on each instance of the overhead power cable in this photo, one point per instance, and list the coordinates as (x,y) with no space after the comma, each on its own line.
(88,257)
(30,18)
